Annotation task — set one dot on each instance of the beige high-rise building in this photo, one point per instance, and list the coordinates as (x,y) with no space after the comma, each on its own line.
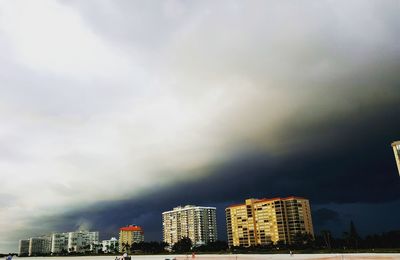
(195,222)
(267,221)
(396,150)
(129,235)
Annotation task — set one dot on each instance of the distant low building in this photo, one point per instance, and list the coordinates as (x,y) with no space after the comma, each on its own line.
(268,221)
(59,243)
(74,242)
(129,235)
(39,246)
(110,245)
(82,241)
(195,222)
(23,248)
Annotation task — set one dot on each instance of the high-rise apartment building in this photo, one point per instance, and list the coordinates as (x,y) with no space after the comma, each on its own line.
(195,222)
(23,247)
(82,241)
(39,246)
(129,235)
(267,221)
(396,150)
(59,243)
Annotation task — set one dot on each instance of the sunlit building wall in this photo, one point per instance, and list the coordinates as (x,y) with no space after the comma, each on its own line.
(129,235)
(267,221)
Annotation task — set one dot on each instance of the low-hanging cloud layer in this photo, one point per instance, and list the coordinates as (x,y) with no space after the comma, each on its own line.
(124,106)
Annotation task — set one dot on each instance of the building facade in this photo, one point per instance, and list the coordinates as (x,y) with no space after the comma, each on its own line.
(268,221)
(82,241)
(110,245)
(23,247)
(129,235)
(39,246)
(195,222)
(74,242)
(396,150)
(59,243)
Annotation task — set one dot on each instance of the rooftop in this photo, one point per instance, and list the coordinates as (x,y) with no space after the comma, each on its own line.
(188,207)
(131,228)
(396,143)
(266,199)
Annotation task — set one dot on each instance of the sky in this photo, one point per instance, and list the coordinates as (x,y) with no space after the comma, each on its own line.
(112,112)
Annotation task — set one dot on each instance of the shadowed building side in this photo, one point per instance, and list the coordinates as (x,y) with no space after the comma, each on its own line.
(23,247)
(396,150)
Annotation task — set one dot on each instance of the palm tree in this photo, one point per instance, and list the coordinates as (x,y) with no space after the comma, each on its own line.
(126,247)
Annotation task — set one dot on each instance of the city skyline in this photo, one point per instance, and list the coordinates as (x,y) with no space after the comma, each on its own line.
(112,112)
(264,221)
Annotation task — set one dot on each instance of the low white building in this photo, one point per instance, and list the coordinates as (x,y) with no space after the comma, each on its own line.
(82,241)
(39,246)
(23,248)
(59,243)
(75,242)
(110,246)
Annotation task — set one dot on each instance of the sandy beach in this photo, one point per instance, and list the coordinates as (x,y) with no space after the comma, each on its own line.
(235,257)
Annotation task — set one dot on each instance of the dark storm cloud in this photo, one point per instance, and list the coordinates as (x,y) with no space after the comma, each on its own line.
(343,160)
(323,216)
(349,161)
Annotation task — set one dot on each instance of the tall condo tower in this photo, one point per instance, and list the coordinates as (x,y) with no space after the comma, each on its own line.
(396,150)
(129,235)
(195,222)
(268,221)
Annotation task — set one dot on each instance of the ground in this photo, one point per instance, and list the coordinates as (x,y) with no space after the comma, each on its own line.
(237,257)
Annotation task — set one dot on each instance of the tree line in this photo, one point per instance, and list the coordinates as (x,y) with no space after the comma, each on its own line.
(350,240)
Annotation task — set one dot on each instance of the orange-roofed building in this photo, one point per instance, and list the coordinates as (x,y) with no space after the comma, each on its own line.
(129,235)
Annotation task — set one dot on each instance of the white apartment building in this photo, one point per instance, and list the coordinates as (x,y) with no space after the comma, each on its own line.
(39,246)
(23,247)
(110,246)
(59,243)
(82,241)
(195,222)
